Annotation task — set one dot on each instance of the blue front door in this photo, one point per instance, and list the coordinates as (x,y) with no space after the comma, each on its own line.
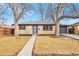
(34,29)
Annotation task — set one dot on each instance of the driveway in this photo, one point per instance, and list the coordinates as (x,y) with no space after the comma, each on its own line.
(72,36)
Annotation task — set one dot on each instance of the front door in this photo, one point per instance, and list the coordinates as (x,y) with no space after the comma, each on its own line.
(34,29)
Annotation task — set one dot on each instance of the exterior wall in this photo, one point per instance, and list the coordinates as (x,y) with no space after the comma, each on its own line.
(41,31)
(28,30)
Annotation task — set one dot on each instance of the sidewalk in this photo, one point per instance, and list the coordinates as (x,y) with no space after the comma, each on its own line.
(27,50)
(72,35)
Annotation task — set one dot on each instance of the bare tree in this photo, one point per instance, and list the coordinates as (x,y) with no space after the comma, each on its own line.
(3,19)
(18,11)
(56,13)
(3,8)
(40,9)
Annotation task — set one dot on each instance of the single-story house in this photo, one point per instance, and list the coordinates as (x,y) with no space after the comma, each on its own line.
(6,30)
(30,28)
(40,28)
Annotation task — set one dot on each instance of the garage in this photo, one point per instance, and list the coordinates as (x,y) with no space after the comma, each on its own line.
(63,29)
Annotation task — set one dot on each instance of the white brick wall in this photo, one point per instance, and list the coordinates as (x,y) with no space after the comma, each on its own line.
(22,32)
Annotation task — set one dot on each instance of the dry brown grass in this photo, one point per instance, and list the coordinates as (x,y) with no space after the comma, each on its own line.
(51,45)
(11,46)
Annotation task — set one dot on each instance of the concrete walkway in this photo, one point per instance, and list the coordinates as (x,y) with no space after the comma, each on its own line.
(27,50)
(72,35)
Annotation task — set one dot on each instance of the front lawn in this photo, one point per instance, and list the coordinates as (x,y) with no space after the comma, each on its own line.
(51,45)
(11,46)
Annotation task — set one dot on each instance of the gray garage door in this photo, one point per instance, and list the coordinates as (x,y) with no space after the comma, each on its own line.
(63,29)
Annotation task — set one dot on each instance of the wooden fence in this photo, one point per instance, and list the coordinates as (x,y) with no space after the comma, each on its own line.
(6,31)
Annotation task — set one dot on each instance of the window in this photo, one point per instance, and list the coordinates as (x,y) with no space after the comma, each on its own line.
(22,27)
(47,27)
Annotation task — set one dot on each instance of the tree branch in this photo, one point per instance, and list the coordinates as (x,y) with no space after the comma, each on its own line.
(73,17)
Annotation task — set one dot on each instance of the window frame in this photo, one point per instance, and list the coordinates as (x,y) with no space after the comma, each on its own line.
(22,27)
(47,28)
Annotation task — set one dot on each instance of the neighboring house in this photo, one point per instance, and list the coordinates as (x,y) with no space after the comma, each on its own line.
(6,30)
(76,28)
(30,28)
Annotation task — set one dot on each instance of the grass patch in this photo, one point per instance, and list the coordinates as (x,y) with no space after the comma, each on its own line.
(51,45)
(11,46)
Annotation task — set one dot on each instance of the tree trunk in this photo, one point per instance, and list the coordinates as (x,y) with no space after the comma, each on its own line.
(57,29)
(16,33)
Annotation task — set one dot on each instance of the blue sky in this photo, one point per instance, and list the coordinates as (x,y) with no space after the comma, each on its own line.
(69,21)
(39,1)
(32,16)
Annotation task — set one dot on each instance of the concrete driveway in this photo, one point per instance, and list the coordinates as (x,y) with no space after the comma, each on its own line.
(72,36)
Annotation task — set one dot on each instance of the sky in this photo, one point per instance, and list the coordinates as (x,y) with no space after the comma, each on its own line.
(39,1)
(69,21)
(32,16)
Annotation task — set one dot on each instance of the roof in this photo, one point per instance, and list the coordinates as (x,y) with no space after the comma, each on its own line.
(76,23)
(36,23)
(44,23)
(5,26)
(65,25)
